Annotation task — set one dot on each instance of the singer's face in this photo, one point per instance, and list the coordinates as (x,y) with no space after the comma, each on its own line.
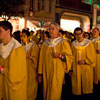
(79,35)
(53,31)
(24,38)
(3,33)
(95,33)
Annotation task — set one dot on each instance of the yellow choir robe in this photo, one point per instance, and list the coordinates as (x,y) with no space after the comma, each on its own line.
(32,50)
(1,80)
(82,76)
(96,74)
(53,69)
(13,81)
(35,39)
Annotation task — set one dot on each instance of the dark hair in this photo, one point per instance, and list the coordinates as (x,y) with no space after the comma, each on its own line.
(47,33)
(6,25)
(16,35)
(26,32)
(87,34)
(78,29)
(61,31)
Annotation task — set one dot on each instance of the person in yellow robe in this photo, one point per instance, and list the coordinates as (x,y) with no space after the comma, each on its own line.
(55,59)
(96,42)
(32,51)
(83,63)
(13,73)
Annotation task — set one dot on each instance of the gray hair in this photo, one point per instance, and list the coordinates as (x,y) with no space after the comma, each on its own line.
(56,24)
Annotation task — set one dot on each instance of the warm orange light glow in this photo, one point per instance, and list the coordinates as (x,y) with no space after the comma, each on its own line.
(69,25)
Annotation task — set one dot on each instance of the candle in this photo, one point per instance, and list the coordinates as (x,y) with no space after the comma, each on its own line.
(54,46)
(79,55)
(26,47)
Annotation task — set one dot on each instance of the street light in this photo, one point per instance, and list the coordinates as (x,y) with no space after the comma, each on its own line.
(98,7)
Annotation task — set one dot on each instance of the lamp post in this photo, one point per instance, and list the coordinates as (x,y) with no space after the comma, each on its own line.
(31,8)
(94,15)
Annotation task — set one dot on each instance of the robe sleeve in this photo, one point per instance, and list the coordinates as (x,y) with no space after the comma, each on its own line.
(90,55)
(66,50)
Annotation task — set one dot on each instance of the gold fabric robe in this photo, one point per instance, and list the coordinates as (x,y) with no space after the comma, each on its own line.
(32,50)
(96,74)
(82,77)
(14,77)
(53,69)
(13,81)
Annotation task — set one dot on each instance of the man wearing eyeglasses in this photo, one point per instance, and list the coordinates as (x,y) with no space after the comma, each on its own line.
(83,63)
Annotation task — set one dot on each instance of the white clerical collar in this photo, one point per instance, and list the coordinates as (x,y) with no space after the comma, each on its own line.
(5,50)
(53,42)
(84,43)
(96,39)
(29,45)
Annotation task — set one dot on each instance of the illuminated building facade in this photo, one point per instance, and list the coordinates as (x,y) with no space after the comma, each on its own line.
(68,13)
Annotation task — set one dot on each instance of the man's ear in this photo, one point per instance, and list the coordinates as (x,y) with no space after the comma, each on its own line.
(8,31)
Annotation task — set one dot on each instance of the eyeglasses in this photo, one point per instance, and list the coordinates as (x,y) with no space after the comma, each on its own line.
(78,34)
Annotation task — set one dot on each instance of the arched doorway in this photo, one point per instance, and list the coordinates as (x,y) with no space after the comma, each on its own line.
(69,21)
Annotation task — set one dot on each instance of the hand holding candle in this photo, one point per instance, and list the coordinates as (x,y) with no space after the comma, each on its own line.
(81,62)
(1,69)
